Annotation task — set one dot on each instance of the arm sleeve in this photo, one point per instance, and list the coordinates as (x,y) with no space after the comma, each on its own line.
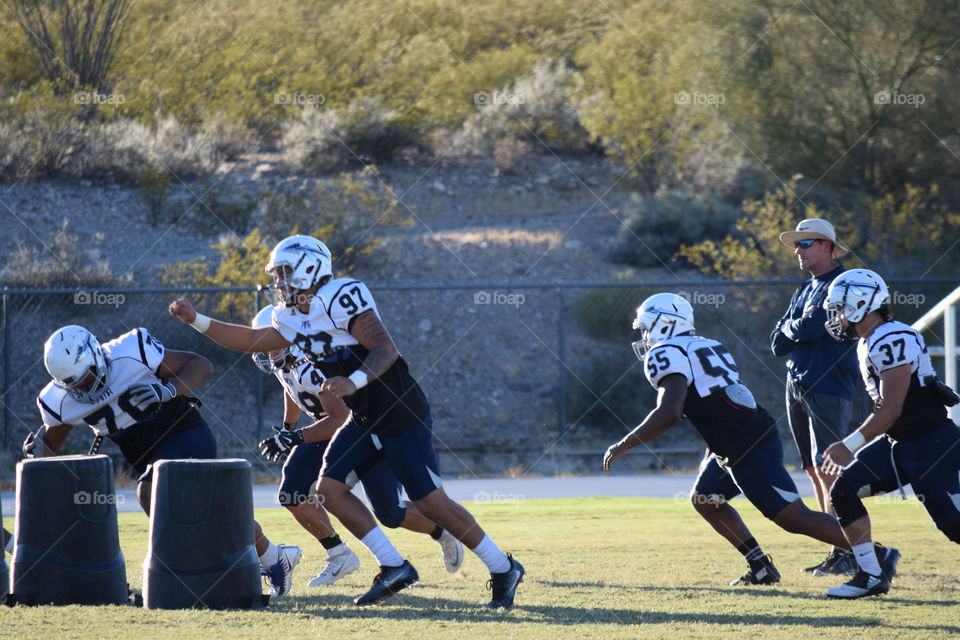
(285,330)
(350,300)
(809,326)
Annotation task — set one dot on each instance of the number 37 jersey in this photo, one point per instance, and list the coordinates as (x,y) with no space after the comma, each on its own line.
(891,345)
(720,408)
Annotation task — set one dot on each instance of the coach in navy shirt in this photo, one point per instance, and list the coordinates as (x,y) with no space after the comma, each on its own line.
(821,372)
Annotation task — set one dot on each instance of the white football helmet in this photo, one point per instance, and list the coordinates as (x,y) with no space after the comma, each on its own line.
(72,353)
(661,316)
(851,296)
(309,263)
(266,362)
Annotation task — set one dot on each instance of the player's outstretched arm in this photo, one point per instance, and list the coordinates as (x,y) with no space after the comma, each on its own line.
(668,412)
(229,335)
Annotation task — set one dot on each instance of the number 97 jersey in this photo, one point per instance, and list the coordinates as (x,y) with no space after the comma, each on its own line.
(717,404)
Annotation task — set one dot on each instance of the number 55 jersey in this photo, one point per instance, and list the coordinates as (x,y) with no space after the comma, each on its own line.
(720,408)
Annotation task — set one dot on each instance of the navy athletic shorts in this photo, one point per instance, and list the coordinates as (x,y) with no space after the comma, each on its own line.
(196,442)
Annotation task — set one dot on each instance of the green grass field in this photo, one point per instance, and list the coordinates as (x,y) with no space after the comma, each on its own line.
(596,568)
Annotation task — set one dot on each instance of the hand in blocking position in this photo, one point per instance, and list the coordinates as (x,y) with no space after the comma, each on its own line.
(280,443)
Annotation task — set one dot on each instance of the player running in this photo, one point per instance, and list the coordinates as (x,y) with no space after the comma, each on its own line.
(301,383)
(920,445)
(697,378)
(336,324)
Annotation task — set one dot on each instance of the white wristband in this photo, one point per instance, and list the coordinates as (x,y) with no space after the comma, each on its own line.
(854,441)
(201,323)
(358,378)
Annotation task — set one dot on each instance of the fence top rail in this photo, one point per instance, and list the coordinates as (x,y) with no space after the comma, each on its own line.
(471,286)
(927,319)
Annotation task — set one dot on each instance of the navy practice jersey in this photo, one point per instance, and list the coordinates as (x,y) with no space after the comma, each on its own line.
(718,406)
(132,359)
(389,404)
(894,344)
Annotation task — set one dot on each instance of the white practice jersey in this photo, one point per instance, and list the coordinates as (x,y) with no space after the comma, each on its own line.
(325,329)
(706,364)
(894,344)
(132,358)
(891,345)
(302,383)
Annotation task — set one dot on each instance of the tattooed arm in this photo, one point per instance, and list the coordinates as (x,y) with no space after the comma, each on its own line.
(369,332)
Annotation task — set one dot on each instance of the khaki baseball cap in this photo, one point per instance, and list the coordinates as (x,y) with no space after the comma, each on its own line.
(817,229)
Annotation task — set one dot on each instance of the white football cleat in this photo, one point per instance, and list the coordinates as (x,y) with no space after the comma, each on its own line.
(338,565)
(862,584)
(280,573)
(452,551)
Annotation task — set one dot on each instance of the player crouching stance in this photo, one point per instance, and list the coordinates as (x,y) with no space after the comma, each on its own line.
(921,445)
(697,377)
(336,324)
(135,392)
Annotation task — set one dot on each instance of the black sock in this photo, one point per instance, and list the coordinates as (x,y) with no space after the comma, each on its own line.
(750,550)
(437,532)
(331,542)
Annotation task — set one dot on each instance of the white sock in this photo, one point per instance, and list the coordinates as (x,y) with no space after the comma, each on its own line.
(9,545)
(867,558)
(379,545)
(490,554)
(340,549)
(270,557)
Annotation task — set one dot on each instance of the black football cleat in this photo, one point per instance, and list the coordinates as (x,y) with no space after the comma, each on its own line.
(761,571)
(838,563)
(863,584)
(504,585)
(888,558)
(389,581)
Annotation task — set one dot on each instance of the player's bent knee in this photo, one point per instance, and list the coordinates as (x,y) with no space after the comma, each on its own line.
(952,532)
(390,518)
(847,504)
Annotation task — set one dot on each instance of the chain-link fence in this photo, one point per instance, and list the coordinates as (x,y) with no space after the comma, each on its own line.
(522,378)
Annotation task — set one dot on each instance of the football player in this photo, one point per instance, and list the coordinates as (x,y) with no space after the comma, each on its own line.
(301,383)
(697,377)
(136,392)
(920,444)
(335,322)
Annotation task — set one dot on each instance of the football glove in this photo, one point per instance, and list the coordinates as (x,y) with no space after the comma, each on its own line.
(30,444)
(279,444)
(144,396)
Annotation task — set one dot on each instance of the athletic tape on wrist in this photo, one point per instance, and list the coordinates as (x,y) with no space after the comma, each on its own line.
(201,323)
(854,441)
(359,378)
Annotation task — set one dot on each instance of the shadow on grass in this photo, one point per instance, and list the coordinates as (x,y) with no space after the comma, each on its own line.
(408,606)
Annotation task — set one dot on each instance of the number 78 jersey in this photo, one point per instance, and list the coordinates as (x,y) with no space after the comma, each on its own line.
(717,404)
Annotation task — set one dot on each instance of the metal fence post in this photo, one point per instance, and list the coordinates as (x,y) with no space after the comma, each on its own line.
(563,367)
(6,366)
(258,301)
